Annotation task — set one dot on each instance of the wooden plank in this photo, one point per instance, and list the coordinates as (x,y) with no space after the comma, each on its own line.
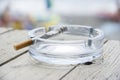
(108,70)
(7,40)
(26,68)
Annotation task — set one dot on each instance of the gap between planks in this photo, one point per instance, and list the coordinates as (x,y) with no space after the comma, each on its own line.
(69,72)
(76,66)
(13,58)
(7,31)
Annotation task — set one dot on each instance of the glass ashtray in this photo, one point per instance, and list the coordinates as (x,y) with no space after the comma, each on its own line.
(66,44)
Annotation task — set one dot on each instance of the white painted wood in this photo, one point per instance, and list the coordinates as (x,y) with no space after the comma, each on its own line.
(7,40)
(26,68)
(108,70)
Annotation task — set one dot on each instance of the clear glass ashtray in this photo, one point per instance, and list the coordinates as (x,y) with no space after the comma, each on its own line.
(66,44)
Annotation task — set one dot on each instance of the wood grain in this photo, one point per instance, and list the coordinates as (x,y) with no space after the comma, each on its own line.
(7,40)
(26,68)
(108,70)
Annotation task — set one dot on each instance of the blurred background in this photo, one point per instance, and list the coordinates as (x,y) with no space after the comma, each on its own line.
(29,14)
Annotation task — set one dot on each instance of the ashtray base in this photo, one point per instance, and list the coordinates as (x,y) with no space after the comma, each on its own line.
(66,61)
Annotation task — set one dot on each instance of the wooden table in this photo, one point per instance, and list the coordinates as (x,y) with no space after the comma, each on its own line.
(18,65)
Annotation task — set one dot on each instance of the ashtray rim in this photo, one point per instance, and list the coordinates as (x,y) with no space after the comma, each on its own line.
(99,36)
